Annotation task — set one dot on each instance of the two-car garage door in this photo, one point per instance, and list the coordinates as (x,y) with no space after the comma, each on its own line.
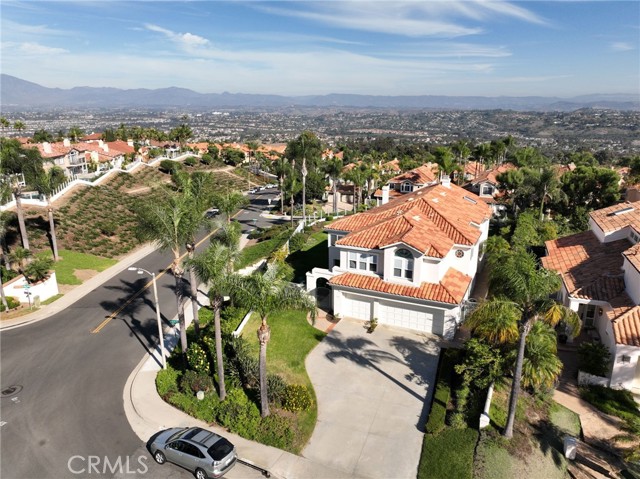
(389,313)
(405,317)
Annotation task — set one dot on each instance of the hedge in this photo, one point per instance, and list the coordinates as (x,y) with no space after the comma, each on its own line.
(438,413)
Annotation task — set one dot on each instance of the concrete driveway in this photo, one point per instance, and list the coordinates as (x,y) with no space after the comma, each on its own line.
(373,391)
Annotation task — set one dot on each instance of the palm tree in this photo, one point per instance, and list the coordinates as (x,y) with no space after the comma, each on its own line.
(521,298)
(171,220)
(47,184)
(358,177)
(20,256)
(541,365)
(75,132)
(446,161)
(333,168)
(265,294)
(212,268)
(19,125)
(4,123)
(482,153)
(281,169)
(228,202)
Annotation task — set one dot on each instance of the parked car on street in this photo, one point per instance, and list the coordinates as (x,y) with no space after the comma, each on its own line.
(202,452)
(212,212)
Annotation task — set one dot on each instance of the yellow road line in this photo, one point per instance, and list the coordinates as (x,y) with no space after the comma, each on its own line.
(141,290)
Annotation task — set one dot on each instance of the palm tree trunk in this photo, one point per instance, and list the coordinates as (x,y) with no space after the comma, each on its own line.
(52,230)
(177,275)
(217,306)
(264,333)
(335,196)
(194,298)
(355,199)
(304,199)
(21,224)
(3,297)
(281,195)
(517,376)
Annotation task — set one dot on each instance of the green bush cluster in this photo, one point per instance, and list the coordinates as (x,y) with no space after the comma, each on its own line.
(297,241)
(297,398)
(12,303)
(193,381)
(191,161)
(197,358)
(438,414)
(170,166)
(167,382)
(594,358)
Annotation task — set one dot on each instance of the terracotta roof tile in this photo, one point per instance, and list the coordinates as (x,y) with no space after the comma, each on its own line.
(423,175)
(625,319)
(450,290)
(589,269)
(431,220)
(633,255)
(628,214)
(491,175)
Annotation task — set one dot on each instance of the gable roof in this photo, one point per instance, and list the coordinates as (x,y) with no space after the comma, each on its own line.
(421,175)
(617,217)
(430,220)
(491,175)
(451,289)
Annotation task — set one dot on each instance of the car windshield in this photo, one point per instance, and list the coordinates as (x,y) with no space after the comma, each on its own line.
(175,435)
(220,449)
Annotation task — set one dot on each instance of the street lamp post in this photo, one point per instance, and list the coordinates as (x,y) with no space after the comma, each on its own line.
(157,306)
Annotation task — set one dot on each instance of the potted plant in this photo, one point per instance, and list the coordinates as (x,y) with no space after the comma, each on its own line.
(372,325)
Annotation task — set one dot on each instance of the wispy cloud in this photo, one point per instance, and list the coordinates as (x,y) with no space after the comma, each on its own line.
(184,40)
(10,28)
(621,47)
(413,19)
(32,49)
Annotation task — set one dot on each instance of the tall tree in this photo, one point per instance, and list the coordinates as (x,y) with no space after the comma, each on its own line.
(446,160)
(358,177)
(75,132)
(265,294)
(228,202)
(333,168)
(19,126)
(212,268)
(281,168)
(47,184)
(521,295)
(170,220)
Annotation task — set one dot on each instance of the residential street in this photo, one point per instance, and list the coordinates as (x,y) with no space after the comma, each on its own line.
(69,377)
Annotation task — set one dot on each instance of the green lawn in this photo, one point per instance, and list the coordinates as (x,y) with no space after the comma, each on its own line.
(448,454)
(252,254)
(52,299)
(72,260)
(292,338)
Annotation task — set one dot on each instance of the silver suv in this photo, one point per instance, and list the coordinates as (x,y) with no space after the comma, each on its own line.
(202,452)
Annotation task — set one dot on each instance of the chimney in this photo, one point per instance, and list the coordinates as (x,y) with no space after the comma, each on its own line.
(100,143)
(130,143)
(445,181)
(385,194)
(105,147)
(46,147)
(66,142)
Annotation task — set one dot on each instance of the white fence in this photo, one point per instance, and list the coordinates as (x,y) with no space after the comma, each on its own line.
(101,178)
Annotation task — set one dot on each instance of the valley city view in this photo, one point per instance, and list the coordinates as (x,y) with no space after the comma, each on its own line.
(320,239)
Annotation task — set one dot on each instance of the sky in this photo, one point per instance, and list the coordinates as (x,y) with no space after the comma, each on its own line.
(442,47)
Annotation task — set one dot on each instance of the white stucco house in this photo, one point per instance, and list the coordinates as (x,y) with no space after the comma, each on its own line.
(410,262)
(600,272)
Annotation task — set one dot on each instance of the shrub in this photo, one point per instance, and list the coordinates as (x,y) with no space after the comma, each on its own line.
(276,389)
(207,159)
(169,166)
(296,242)
(276,431)
(457,421)
(108,228)
(12,303)
(239,414)
(197,358)
(38,269)
(167,381)
(192,382)
(297,398)
(594,358)
(438,413)
(191,161)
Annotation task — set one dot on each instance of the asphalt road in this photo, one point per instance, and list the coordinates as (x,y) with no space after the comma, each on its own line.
(63,382)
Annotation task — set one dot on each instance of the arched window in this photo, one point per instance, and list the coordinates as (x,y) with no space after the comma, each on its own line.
(403,264)
(406,187)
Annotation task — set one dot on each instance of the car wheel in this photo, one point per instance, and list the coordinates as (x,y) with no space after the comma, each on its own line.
(159,457)
(200,474)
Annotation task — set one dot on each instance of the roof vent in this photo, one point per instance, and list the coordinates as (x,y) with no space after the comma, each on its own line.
(470,200)
(417,217)
(628,209)
(435,200)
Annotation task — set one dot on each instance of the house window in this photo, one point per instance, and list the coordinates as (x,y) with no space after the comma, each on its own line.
(363,262)
(625,359)
(406,187)
(487,190)
(403,264)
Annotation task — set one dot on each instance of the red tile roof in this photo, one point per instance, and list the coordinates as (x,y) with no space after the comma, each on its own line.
(422,175)
(450,290)
(628,214)
(625,319)
(491,175)
(633,256)
(589,269)
(431,220)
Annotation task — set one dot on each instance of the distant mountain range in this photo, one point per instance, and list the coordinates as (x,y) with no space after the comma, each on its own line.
(17,94)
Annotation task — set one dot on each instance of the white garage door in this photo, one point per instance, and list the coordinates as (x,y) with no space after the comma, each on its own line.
(357,308)
(405,317)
